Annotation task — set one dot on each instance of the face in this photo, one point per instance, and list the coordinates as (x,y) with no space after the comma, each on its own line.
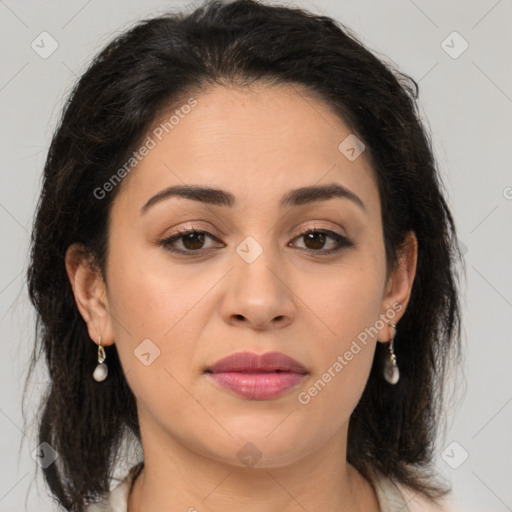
(266,270)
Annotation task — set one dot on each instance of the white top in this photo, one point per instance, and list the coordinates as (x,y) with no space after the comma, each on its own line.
(389,496)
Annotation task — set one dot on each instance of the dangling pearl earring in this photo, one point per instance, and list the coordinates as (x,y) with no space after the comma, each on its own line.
(101,371)
(391,373)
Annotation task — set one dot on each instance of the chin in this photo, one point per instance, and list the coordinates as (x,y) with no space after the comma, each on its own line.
(256,448)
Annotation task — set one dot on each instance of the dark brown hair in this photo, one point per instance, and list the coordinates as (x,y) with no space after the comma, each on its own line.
(110,110)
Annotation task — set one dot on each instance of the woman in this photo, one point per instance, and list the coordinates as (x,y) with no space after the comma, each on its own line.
(242,257)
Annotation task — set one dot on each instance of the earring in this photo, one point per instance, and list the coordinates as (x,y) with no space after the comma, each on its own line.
(101,371)
(391,373)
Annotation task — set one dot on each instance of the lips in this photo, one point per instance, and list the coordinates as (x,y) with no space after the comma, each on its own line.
(257,377)
(247,362)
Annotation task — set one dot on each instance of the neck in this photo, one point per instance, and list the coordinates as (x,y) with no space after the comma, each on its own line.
(175,478)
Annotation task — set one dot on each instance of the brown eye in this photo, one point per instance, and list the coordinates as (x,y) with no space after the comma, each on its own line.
(315,241)
(191,241)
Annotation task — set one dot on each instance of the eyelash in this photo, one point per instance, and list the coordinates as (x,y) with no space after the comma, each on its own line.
(340,239)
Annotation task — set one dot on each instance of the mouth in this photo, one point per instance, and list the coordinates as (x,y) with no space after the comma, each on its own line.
(257,377)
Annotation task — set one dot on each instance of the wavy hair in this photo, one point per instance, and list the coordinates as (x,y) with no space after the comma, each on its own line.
(148,70)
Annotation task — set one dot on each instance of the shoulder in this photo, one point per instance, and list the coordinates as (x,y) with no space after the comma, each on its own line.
(415,502)
(389,495)
(395,497)
(117,499)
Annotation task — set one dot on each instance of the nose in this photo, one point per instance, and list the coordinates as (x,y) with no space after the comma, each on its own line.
(257,295)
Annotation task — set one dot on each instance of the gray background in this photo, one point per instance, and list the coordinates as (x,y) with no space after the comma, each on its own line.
(468,103)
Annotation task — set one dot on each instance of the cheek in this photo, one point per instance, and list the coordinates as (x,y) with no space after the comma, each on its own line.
(343,359)
(346,320)
(151,305)
(349,299)
(148,295)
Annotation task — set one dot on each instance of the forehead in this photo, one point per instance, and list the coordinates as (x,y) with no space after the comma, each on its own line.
(257,142)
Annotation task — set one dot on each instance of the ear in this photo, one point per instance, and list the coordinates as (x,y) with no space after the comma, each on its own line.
(90,294)
(399,287)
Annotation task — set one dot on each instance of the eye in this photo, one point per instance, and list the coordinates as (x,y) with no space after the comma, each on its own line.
(190,239)
(315,240)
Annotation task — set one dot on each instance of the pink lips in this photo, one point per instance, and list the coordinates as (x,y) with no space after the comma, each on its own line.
(257,377)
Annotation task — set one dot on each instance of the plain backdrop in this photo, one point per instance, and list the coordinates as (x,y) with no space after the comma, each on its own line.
(460,52)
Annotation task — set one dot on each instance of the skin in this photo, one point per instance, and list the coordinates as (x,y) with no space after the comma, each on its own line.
(257,143)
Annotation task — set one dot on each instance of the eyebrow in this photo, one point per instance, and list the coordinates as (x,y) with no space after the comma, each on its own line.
(217,197)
